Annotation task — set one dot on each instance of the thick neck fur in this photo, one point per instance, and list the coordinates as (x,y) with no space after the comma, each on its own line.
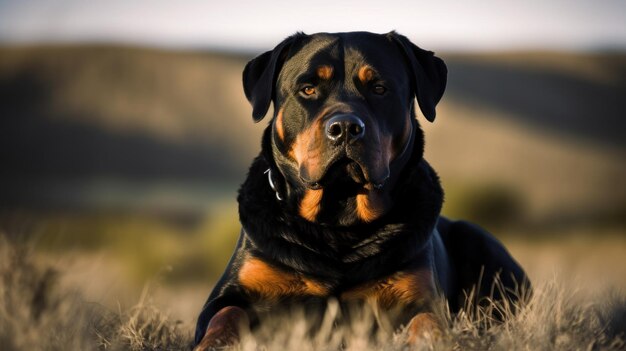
(275,231)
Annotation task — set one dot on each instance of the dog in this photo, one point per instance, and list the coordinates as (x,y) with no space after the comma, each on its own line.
(340,203)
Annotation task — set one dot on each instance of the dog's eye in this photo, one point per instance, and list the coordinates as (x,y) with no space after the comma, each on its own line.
(379,89)
(308,90)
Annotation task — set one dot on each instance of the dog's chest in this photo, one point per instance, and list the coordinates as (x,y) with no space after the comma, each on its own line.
(268,285)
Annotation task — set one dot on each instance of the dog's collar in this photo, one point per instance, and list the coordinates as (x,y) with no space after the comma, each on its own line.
(272,185)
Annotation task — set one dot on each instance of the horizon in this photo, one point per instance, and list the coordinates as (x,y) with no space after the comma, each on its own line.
(253,51)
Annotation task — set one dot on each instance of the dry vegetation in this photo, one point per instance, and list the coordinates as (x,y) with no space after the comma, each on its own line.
(39,312)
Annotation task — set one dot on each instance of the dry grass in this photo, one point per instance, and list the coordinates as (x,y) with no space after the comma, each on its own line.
(142,327)
(553,319)
(37,313)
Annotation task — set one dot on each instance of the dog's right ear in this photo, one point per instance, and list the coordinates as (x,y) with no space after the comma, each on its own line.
(260,74)
(429,74)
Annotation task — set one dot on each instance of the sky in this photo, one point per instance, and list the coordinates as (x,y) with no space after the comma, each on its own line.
(253,25)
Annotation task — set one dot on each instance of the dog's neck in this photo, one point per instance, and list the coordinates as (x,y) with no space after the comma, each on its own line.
(276,231)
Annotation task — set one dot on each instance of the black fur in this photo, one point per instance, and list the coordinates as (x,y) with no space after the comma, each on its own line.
(338,249)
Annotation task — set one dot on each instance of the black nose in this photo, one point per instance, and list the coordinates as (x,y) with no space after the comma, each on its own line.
(345,127)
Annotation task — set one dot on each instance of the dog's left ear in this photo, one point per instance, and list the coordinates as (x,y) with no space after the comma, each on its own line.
(260,74)
(429,74)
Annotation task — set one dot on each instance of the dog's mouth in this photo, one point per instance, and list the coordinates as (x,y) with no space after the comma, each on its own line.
(344,170)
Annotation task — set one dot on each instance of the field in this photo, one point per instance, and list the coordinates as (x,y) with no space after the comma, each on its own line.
(62,305)
(120,167)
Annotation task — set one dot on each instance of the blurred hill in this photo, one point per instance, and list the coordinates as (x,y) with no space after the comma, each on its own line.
(109,125)
(537,133)
(78,111)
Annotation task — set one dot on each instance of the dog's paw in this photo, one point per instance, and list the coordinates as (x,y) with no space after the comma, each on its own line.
(424,327)
(224,329)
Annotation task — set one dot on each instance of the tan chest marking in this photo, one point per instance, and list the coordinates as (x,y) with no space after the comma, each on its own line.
(402,288)
(269,282)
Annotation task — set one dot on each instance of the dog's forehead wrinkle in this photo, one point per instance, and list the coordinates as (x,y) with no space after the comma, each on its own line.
(353,60)
(329,48)
(345,55)
(382,62)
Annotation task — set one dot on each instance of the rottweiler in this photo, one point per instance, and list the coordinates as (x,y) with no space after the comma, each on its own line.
(340,203)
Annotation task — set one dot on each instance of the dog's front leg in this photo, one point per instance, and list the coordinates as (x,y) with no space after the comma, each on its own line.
(224,329)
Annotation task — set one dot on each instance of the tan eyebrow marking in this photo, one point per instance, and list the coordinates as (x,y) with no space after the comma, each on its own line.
(366,73)
(325,72)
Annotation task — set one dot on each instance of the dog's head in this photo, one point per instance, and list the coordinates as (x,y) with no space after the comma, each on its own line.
(343,122)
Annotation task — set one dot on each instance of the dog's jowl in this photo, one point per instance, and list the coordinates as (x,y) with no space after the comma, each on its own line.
(340,203)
